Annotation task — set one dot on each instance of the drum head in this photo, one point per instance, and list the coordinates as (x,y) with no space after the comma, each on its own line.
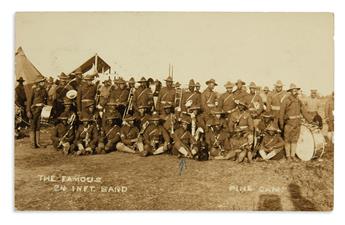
(305,144)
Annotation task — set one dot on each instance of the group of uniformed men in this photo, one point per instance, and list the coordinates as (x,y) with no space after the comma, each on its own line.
(122,116)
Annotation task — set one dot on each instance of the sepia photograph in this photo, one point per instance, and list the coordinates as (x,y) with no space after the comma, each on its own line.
(174,111)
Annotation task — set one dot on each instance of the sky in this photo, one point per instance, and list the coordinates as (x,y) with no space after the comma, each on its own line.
(260,47)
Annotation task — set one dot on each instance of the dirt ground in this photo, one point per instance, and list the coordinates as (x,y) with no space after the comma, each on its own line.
(131,182)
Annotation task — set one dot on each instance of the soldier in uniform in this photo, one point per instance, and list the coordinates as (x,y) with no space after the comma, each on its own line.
(329,117)
(240,145)
(142,96)
(313,107)
(166,96)
(86,136)
(198,122)
(291,112)
(110,135)
(264,96)
(208,97)
(272,145)
(190,98)
(63,134)
(240,94)
(255,104)
(217,139)
(20,100)
(197,88)
(86,93)
(155,138)
(169,119)
(184,142)
(227,99)
(129,136)
(241,118)
(119,95)
(36,102)
(104,93)
(275,99)
(61,91)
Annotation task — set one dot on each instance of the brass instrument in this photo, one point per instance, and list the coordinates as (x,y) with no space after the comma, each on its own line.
(130,103)
(70,128)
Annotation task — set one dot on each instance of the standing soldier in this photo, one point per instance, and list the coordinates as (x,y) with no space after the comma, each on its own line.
(184,142)
(63,134)
(313,107)
(129,136)
(240,94)
(36,102)
(104,93)
(227,99)
(209,97)
(110,135)
(142,96)
(119,95)
(155,138)
(264,96)
(61,91)
(291,113)
(275,99)
(166,95)
(86,93)
(190,98)
(255,104)
(20,99)
(329,110)
(86,136)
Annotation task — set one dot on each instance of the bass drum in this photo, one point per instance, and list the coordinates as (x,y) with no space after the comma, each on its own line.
(311,143)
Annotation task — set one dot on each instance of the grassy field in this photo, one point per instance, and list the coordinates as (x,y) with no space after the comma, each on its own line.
(155,183)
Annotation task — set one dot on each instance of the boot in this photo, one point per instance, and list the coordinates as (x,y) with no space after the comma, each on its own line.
(33,139)
(37,138)
(293,151)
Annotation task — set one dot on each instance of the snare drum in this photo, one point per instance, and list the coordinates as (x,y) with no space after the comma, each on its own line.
(311,143)
(45,114)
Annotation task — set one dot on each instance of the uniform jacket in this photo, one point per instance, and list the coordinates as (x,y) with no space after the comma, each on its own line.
(86,91)
(142,97)
(208,100)
(242,119)
(227,102)
(166,96)
(127,133)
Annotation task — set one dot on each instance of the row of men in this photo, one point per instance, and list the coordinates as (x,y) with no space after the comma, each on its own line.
(284,106)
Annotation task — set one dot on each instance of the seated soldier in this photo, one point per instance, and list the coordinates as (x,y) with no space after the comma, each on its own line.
(110,135)
(86,136)
(141,117)
(169,119)
(184,142)
(155,138)
(241,118)
(63,134)
(272,145)
(129,136)
(216,139)
(241,143)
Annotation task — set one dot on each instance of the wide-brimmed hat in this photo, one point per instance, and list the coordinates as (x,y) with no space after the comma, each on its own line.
(293,86)
(240,81)
(131,81)
(252,85)
(197,84)
(211,81)
(129,118)
(266,88)
(155,117)
(169,79)
(229,84)
(177,84)
(71,94)
(313,91)
(21,80)
(279,83)
(142,80)
(40,79)
(120,81)
(191,83)
(63,76)
(267,115)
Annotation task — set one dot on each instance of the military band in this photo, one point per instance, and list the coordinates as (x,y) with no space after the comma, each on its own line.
(239,124)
